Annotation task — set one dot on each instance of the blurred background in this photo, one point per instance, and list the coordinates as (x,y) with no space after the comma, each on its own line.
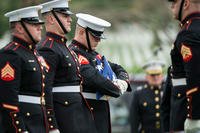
(141,30)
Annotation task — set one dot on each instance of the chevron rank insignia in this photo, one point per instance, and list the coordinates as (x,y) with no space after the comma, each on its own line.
(7,72)
(82,60)
(186,53)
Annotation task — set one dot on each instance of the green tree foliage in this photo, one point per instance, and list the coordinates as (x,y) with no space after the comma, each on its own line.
(153,15)
(9,5)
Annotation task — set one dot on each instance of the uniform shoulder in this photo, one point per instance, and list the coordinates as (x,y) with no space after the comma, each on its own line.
(9,55)
(193,25)
(9,50)
(80,52)
(74,47)
(12,46)
(78,47)
(48,43)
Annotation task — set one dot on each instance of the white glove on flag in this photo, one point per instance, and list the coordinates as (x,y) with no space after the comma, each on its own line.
(121,84)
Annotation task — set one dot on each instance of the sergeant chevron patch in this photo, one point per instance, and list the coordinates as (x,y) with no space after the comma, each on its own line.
(186,53)
(7,72)
(82,60)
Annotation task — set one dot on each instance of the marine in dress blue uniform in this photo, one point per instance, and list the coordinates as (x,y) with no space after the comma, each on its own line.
(21,80)
(145,108)
(101,79)
(185,57)
(72,112)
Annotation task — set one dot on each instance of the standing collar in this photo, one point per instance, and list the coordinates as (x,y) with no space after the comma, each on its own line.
(56,37)
(23,43)
(189,17)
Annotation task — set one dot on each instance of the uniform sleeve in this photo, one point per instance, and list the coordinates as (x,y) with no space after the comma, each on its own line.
(92,78)
(51,59)
(10,66)
(134,113)
(165,103)
(188,46)
(121,73)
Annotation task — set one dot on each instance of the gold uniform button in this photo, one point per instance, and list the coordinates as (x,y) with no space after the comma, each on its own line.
(181,25)
(16,44)
(69,64)
(157,124)
(156,92)
(51,126)
(43,84)
(15,115)
(34,69)
(91,108)
(188,99)
(188,115)
(17,122)
(67,56)
(179,95)
(19,129)
(48,112)
(62,39)
(28,114)
(188,107)
(43,76)
(157,106)
(50,39)
(66,102)
(157,99)
(145,104)
(157,114)
(50,119)
(30,46)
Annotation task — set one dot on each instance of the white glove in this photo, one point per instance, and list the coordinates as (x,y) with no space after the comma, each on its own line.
(54,131)
(25,132)
(121,84)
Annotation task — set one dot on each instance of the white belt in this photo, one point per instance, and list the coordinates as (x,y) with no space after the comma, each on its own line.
(29,99)
(67,89)
(88,95)
(178,82)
